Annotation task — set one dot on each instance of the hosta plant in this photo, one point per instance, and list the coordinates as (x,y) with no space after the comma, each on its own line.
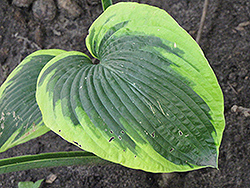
(148,101)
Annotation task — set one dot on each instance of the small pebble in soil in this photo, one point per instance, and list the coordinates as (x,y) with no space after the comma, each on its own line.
(44,10)
(71,8)
(22,3)
(51,178)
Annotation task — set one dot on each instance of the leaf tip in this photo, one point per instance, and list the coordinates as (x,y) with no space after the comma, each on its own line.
(212,161)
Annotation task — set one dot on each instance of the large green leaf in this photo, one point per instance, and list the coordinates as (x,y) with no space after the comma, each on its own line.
(21,119)
(152,103)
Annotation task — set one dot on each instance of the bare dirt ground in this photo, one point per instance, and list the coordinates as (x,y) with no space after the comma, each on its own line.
(29,25)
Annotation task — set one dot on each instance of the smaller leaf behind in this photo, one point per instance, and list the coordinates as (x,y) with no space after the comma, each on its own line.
(20,117)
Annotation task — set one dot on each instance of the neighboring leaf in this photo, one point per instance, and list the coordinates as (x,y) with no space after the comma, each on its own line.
(20,117)
(152,103)
(43,160)
(30,184)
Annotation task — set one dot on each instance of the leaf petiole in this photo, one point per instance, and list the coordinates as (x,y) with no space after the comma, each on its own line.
(106,4)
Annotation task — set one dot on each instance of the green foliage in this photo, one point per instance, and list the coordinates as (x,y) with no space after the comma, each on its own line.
(151,103)
(30,184)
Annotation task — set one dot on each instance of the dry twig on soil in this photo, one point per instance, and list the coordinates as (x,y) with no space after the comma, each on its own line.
(203,17)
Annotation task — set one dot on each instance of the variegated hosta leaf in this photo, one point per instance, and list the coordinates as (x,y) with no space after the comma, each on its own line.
(152,103)
(20,117)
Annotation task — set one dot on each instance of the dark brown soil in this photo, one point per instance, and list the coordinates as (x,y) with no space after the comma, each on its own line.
(26,27)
